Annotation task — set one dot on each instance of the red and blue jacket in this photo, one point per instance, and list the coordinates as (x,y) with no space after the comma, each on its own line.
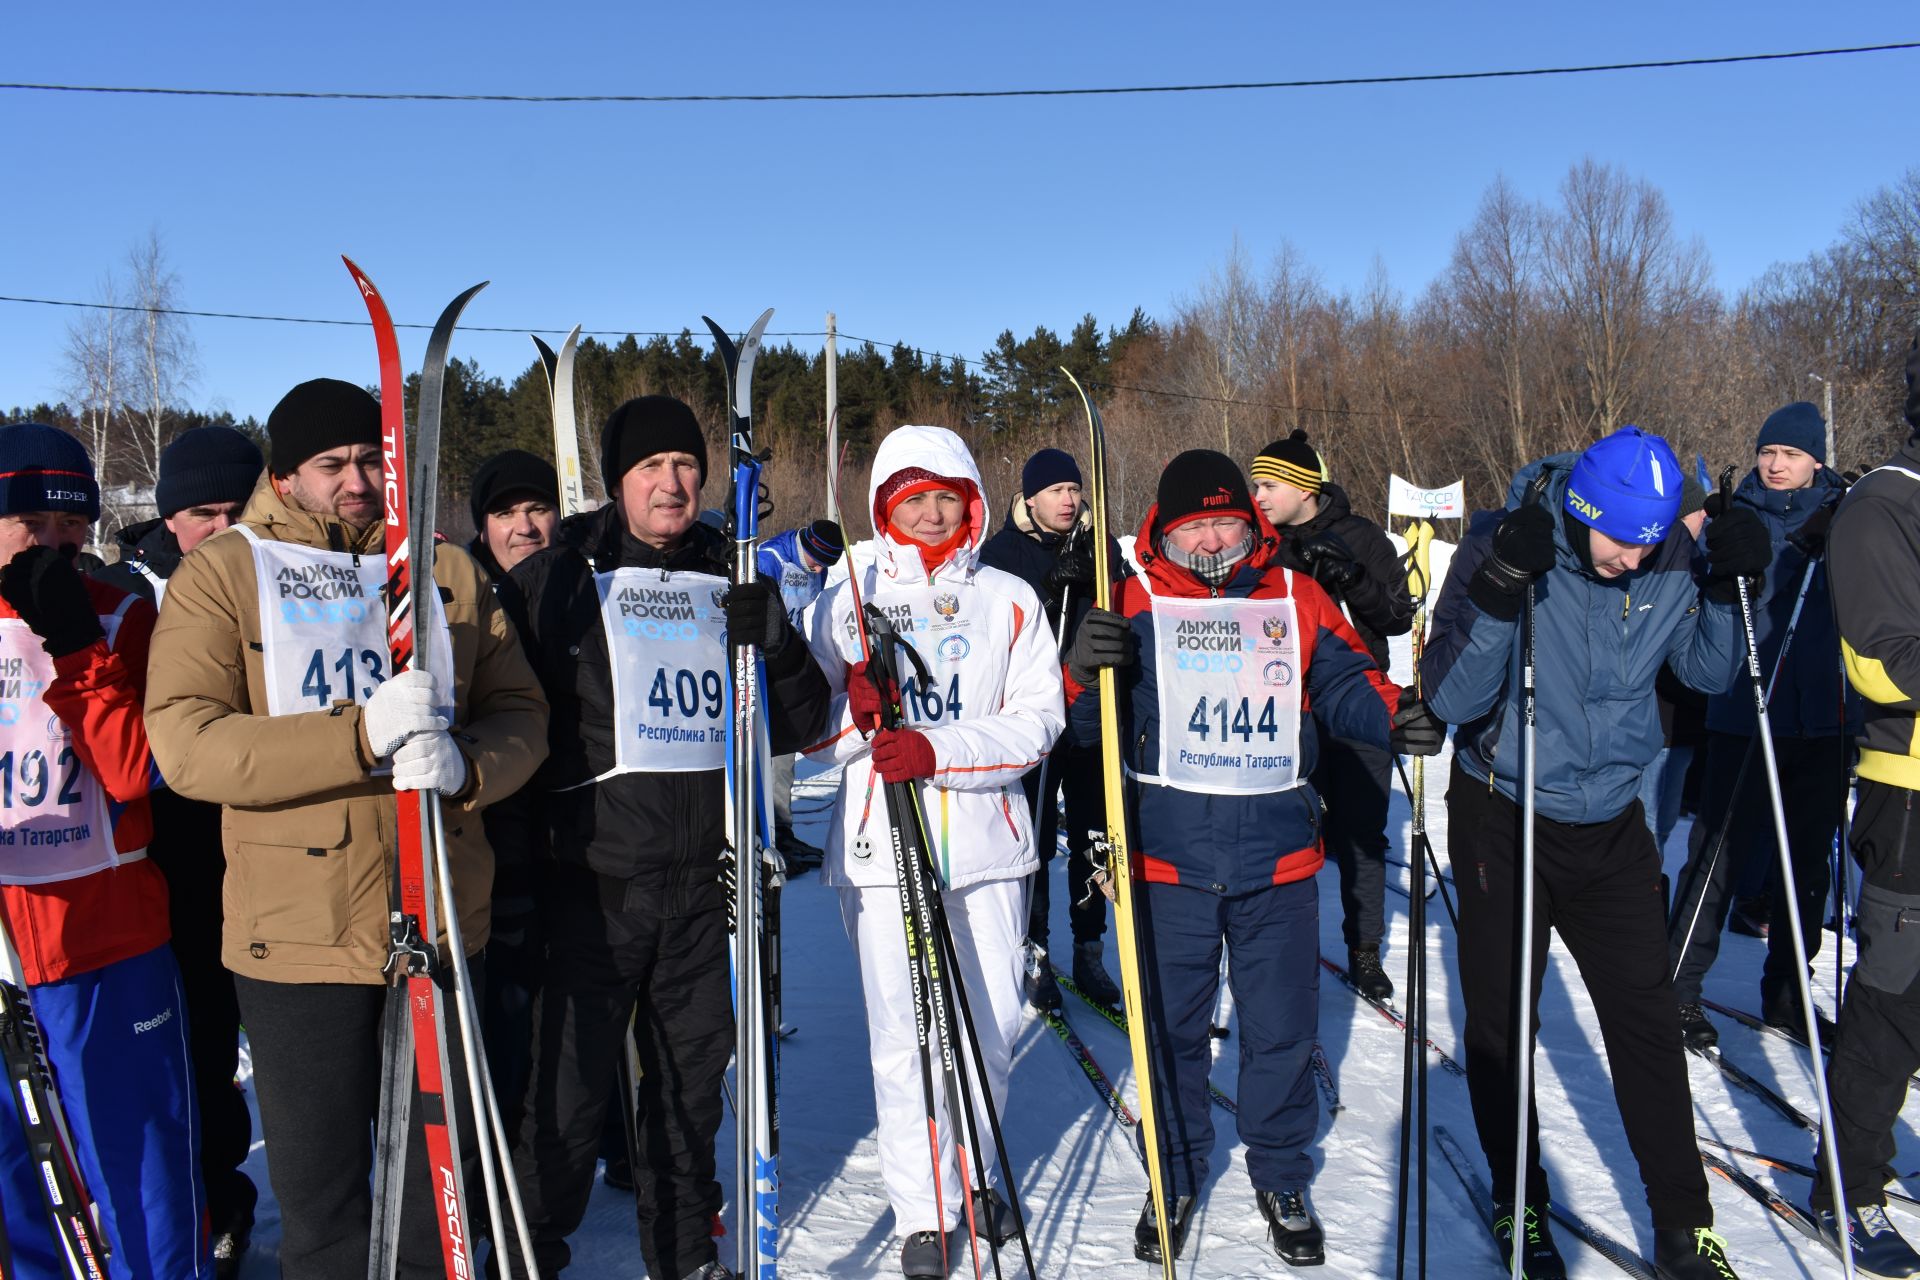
(1234,844)
(76,926)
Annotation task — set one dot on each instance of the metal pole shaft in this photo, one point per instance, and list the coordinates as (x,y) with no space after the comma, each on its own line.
(833,416)
(1523,988)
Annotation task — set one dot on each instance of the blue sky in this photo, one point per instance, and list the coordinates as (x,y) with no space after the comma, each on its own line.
(938,223)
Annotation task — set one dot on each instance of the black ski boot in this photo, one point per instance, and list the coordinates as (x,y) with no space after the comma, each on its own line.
(1295,1232)
(993,1215)
(1146,1232)
(1878,1247)
(925,1255)
(1090,974)
(1363,965)
(1542,1260)
(710,1271)
(1691,1253)
(1043,993)
(799,856)
(1696,1032)
(1784,1015)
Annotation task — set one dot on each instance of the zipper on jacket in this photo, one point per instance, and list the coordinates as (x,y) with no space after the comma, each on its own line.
(1006,809)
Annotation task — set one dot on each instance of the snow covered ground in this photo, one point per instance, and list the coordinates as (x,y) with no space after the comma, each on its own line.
(1083,1186)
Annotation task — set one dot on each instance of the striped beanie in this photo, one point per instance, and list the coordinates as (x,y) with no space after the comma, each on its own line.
(42,468)
(1291,461)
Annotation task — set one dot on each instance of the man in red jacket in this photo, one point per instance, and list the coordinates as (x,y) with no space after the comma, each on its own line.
(85,911)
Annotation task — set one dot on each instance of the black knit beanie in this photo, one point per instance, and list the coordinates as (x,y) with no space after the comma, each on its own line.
(643,427)
(506,474)
(1291,461)
(1913,385)
(317,416)
(204,466)
(1201,482)
(823,542)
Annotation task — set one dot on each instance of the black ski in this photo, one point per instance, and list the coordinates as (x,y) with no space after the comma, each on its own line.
(71,1213)
(1221,1098)
(1770,1200)
(1738,1076)
(1387,1010)
(1102,1084)
(1602,1243)
(1803,1170)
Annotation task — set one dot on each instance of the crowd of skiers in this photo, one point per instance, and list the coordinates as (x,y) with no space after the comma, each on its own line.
(200,747)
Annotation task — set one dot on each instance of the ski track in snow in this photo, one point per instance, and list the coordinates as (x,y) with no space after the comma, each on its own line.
(1083,1188)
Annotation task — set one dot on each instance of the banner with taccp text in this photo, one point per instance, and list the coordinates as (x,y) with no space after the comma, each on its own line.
(1449,502)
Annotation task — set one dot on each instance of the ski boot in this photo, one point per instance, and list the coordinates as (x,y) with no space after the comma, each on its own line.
(994,1216)
(715,1270)
(1043,993)
(1363,964)
(1542,1260)
(799,856)
(1785,1015)
(1146,1232)
(1295,1232)
(1691,1253)
(924,1256)
(1090,975)
(1696,1032)
(1878,1247)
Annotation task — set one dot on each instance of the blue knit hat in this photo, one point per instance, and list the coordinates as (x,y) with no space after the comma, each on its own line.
(204,466)
(1046,469)
(1627,486)
(42,468)
(1798,426)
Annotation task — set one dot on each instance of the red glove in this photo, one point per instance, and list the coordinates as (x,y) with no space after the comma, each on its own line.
(863,700)
(901,755)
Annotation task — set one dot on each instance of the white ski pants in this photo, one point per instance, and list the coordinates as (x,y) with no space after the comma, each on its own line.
(988,922)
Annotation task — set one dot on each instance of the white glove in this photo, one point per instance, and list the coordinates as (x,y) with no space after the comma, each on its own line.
(399,708)
(429,762)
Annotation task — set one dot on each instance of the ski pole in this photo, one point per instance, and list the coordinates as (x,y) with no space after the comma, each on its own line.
(1787,885)
(1424,843)
(1703,879)
(1523,1011)
(1413,1074)
(1842,840)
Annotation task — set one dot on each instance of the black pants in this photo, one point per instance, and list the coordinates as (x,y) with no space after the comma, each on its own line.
(1813,787)
(609,961)
(1352,778)
(316,1072)
(1076,772)
(1598,885)
(1878,1047)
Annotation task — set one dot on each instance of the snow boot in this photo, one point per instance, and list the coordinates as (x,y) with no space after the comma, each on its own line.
(925,1255)
(1090,975)
(1542,1257)
(1363,965)
(1146,1232)
(1696,1032)
(994,1216)
(1691,1253)
(1295,1232)
(1043,993)
(1878,1247)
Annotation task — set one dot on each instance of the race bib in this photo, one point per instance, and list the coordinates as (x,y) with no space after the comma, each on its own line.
(942,623)
(54,823)
(667,640)
(323,626)
(1229,681)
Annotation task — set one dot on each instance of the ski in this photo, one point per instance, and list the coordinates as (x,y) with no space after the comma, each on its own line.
(413,960)
(1740,1078)
(72,1214)
(1601,1242)
(566,435)
(1803,1170)
(1770,1200)
(1102,1085)
(757,1155)
(1386,1009)
(1221,1097)
(1753,1023)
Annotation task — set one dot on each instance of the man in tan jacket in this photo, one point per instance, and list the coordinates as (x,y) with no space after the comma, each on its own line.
(268,694)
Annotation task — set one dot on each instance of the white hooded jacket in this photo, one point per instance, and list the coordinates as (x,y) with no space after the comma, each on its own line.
(985,641)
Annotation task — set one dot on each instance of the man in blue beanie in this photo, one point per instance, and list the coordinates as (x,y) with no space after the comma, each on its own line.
(1613,597)
(1811,717)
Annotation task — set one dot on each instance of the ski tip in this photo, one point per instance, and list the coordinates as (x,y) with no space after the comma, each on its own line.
(360,277)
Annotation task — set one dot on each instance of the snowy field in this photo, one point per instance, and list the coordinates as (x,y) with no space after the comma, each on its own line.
(1083,1185)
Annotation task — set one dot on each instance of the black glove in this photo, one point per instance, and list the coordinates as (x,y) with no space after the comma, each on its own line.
(1072,568)
(50,596)
(1416,730)
(1810,539)
(1103,640)
(1737,547)
(1331,563)
(1522,551)
(756,616)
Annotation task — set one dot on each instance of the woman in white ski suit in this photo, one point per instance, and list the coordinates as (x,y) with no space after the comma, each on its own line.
(990,712)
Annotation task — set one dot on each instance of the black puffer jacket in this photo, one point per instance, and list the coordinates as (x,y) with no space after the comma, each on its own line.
(1025,550)
(147,552)
(661,833)
(1378,601)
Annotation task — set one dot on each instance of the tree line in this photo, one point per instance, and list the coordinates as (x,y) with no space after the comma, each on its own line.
(1554,322)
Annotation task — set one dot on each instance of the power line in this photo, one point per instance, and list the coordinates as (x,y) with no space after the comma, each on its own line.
(935,357)
(926,95)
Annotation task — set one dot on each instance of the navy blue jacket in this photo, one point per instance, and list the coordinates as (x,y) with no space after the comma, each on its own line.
(1806,698)
(1598,650)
